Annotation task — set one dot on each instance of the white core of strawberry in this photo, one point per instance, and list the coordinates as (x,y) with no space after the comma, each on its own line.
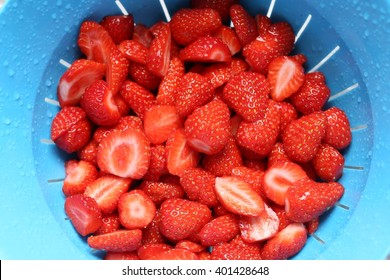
(325,59)
(121,7)
(303,28)
(165,10)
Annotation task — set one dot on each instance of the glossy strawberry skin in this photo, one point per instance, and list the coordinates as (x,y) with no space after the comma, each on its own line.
(117,241)
(338,130)
(120,27)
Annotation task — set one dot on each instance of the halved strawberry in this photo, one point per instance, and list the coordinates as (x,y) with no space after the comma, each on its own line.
(140,74)
(148,251)
(285,76)
(124,154)
(328,163)
(286,243)
(95,42)
(221,229)
(244,24)
(81,74)
(160,191)
(229,37)
(222,6)
(159,54)
(338,130)
(238,197)
(175,254)
(117,70)
(84,213)
(251,176)
(79,174)
(279,177)
(120,27)
(143,35)
(134,51)
(106,191)
(117,241)
(168,85)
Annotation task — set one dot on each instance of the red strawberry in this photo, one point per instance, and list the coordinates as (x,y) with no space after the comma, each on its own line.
(259,228)
(106,191)
(117,70)
(88,152)
(84,213)
(111,223)
(338,130)
(81,74)
(124,154)
(139,98)
(181,218)
(251,176)
(286,243)
(303,136)
(95,42)
(219,230)
(151,234)
(120,27)
(180,155)
(175,254)
(160,191)
(117,241)
(140,74)
(193,91)
(160,121)
(287,113)
(244,24)
(129,123)
(207,129)
(187,25)
(134,51)
(247,94)
(189,246)
(263,23)
(238,197)
(307,199)
(167,87)
(158,56)
(282,216)
(259,165)
(237,249)
(99,104)
(70,129)
(328,163)
(279,177)
(148,251)
(312,95)
(277,155)
(222,6)
(198,184)
(229,37)
(136,209)
(121,256)
(79,174)
(285,76)
(158,163)
(206,49)
(143,35)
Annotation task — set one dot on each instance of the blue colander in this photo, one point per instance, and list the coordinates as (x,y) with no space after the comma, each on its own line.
(348,41)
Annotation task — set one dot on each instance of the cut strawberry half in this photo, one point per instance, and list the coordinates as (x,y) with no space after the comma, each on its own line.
(117,70)
(134,51)
(229,37)
(125,154)
(79,174)
(159,54)
(117,241)
(244,24)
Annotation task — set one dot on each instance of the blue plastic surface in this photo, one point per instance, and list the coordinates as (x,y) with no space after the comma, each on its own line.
(34,36)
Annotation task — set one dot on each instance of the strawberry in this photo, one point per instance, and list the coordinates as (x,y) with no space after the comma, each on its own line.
(238,197)
(139,98)
(280,211)
(187,25)
(84,213)
(207,129)
(263,23)
(198,184)
(287,113)
(148,251)
(303,136)
(134,51)
(175,254)
(259,165)
(120,27)
(167,87)
(285,76)
(140,74)
(160,191)
(259,228)
(128,123)
(110,223)
(121,256)
(307,199)
(88,152)
(70,129)
(158,163)
(160,121)
(237,249)
(151,234)
(219,230)
(328,163)
(338,130)
(106,191)
(279,177)
(117,70)
(118,241)
(158,57)
(244,24)
(189,246)
(222,6)
(181,217)
(229,37)
(79,174)
(180,155)
(95,42)
(136,209)
(143,35)
(124,154)
(277,155)
(313,94)
(247,94)
(193,91)
(81,74)
(251,176)
(99,104)
(286,243)
(206,49)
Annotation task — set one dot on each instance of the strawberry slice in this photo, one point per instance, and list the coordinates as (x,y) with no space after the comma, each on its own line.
(81,74)
(95,42)
(120,27)
(285,76)
(328,163)
(134,51)
(159,54)
(279,177)
(175,254)
(117,70)
(238,197)
(106,191)
(118,241)
(136,209)
(84,213)
(124,154)
(229,37)
(338,130)
(244,24)
(251,176)
(79,174)
(286,243)
(307,199)
(219,230)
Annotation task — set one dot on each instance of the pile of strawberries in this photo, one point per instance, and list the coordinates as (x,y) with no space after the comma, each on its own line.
(197,140)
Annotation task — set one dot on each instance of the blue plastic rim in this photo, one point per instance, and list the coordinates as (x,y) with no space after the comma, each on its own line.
(35,36)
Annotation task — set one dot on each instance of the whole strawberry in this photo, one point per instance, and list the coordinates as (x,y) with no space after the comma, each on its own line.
(338,130)
(328,163)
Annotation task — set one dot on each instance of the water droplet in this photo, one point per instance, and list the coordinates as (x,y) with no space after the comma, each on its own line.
(11,72)
(6,121)
(48,83)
